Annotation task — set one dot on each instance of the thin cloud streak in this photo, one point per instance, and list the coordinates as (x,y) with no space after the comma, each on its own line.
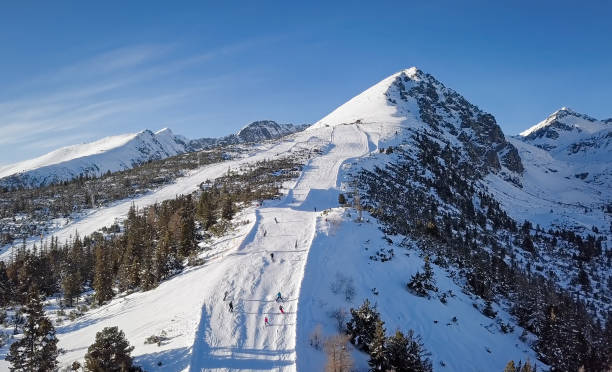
(143,79)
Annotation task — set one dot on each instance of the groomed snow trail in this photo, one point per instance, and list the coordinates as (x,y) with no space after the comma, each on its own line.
(240,340)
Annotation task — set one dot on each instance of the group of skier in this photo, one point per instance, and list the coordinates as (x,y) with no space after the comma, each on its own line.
(279,298)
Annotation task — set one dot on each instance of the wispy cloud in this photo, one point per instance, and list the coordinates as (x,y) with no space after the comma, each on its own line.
(75,101)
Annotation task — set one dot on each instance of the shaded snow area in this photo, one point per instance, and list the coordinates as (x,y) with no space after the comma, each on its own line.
(550,194)
(340,257)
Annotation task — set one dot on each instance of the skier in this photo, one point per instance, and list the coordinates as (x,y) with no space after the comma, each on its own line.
(279,297)
(281,309)
(275,220)
(231,307)
(272,256)
(266,321)
(225,296)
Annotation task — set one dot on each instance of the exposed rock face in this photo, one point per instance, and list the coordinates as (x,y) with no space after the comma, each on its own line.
(450,115)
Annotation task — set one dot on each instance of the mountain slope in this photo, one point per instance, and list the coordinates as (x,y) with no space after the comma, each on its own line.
(92,159)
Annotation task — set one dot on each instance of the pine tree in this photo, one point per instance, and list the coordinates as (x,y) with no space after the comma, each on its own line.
(187,229)
(5,286)
(406,353)
(207,210)
(72,281)
(37,350)
(378,352)
(227,210)
(362,326)
(110,352)
(103,276)
(422,283)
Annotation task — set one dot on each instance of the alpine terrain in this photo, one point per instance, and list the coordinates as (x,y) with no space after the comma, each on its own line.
(403,231)
(124,152)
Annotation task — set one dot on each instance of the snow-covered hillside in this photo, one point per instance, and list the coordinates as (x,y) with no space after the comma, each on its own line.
(319,248)
(93,159)
(583,144)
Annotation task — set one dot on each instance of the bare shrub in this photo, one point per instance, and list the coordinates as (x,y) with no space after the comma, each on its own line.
(338,356)
(340,315)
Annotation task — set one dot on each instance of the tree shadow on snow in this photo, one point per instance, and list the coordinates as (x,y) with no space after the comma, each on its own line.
(317,198)
(171,360)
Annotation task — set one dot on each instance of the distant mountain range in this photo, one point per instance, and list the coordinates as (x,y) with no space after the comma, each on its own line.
(125,151)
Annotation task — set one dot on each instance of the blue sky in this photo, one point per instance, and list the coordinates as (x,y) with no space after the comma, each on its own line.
(72,72)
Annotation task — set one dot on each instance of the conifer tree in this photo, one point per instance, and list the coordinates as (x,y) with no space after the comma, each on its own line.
(378,352)
(103,279)
(5,286)
(207,210)
(227,210)
(362,326)
(422,283)
(110,352)
(510,367)
(406,353)
(72,281)
(37,350)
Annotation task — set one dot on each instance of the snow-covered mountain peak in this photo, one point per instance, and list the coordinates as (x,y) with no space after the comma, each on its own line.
(413,72)
(563,129)
(415,99)
(580,141)
(371,105)
(165,131)
(564,119)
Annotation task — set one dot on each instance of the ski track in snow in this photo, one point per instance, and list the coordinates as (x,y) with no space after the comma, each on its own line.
(241,340)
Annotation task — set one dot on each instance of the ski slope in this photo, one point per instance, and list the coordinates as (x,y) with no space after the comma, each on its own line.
(241,340)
